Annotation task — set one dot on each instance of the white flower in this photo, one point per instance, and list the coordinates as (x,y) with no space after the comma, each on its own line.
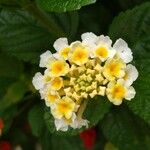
(89,38)
(60,44)
(79,53)
(117,91)
(38,81)
(51,97)
(62,47)
(45,58)
(61,125)
(79,123)
(131,75)
(99,46)
(123,50)
(103,49)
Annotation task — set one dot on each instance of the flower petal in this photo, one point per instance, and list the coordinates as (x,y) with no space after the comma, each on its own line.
(132,74)
(60,43)
(89,38)
(104,40)
(123,50)
(38,81)
(45,57)
(61,125)
(130,93)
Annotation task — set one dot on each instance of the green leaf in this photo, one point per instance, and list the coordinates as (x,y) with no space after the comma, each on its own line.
(21,35)
(101,107)
(132,25)
(13,95)
(36,120)
(62,6)
(50,141)
(68,21)
(66,143)
(96,109)
(121,129)
(140,105)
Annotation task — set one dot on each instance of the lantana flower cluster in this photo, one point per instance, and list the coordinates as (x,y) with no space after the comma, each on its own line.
(79,71)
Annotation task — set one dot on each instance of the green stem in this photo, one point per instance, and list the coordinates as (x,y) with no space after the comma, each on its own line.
(43,18)
(82,109)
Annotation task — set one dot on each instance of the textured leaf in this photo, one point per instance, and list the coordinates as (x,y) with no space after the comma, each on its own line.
(140,105)
(50,141)
(21,35)
(120,129)
(132,25)
(63,5)
(36,120)
(95,111)
(66,143)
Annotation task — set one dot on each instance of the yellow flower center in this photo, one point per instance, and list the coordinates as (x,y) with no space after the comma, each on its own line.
(114,68)
(56,83)
(64,52)
(65,107)
(101,52)
(118,92)
(85,81)
(80,56)
(52,98)
(59,68)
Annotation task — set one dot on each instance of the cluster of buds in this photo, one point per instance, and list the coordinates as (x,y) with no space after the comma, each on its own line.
(82,70)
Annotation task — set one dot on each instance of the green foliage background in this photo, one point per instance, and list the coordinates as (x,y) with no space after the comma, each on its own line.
(28,28)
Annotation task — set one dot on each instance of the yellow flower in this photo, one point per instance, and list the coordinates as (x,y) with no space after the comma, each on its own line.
(58,68)
(114,68)
(102,53)
(56,83)
(117,91)
(79,54)
(51,98)
(65,52)
(64,108)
